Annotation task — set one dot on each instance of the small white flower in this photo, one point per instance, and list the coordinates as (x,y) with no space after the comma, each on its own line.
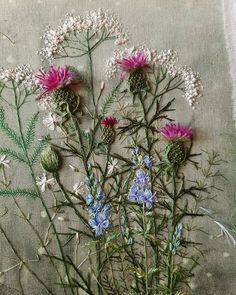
(78,188)
(4,162)
(112,166)
(52,121)
(44,183)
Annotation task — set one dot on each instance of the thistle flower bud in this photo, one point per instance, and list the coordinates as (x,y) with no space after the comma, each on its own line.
(175,152)
(137,81)
(108,130)
(64,97)
(50,159)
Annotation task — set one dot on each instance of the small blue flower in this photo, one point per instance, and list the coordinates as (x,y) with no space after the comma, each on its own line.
(134,193)
(147,198)
(99,222)
(147,160)
(89,199)
(141,178)
(95,208)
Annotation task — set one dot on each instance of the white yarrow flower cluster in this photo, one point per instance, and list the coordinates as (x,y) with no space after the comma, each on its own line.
(192,82)
(95,21)
(21,75)
(112,67)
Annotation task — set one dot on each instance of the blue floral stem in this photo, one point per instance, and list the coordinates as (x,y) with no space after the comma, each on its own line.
(149,147)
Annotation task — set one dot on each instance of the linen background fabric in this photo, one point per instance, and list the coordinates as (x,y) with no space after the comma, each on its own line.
(195,28)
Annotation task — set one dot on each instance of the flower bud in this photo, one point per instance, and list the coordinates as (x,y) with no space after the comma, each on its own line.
(176,153)
(50,159)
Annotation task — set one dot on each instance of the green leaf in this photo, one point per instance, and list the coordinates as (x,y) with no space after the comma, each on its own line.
(38,149)
(30,131)
(8,131)
(110,99)
(13,155)
(18,193)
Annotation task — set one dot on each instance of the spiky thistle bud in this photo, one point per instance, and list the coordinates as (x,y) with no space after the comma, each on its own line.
(64,97)
(108,130)
(137,80)
(50,159)
(175,152)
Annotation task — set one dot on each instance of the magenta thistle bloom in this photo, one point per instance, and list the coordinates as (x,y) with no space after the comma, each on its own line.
(109,121)
(173,131)
(54,78)
(130,62)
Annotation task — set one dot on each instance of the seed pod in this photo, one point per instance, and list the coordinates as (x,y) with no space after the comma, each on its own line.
(175,152)
(64,97)
(108,134)
(137,81)
(50,159)
(108,130)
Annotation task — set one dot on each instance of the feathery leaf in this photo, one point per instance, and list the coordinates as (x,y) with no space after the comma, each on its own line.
(109,100)
(30,131)
(38,149)
(12,154)
(18,193)
(8,131)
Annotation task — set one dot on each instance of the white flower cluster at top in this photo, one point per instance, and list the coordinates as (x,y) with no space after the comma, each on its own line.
(95,21)
(192,82)
(20,75)
(167,59)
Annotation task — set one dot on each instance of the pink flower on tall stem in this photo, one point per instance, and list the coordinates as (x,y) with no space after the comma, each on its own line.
(109,121)
(130,62)
(176,131)
(55,77)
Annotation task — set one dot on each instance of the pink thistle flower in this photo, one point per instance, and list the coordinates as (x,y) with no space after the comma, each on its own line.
(109,121)
(130,62)
(54,78)
(175,131)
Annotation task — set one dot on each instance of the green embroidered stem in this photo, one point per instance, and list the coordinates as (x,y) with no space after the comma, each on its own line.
(145,252)
(37,189)
(170,266)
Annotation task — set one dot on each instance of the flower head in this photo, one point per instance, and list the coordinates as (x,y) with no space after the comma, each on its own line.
(54,78)
(136,60)
(21,75)
(95,22)
(4,162)
(176,131)
(147,198)
(109,121)
(141,178)
(141,196)
(126,60)
(99,222)
(52,121)
(44,182)
(113,165)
